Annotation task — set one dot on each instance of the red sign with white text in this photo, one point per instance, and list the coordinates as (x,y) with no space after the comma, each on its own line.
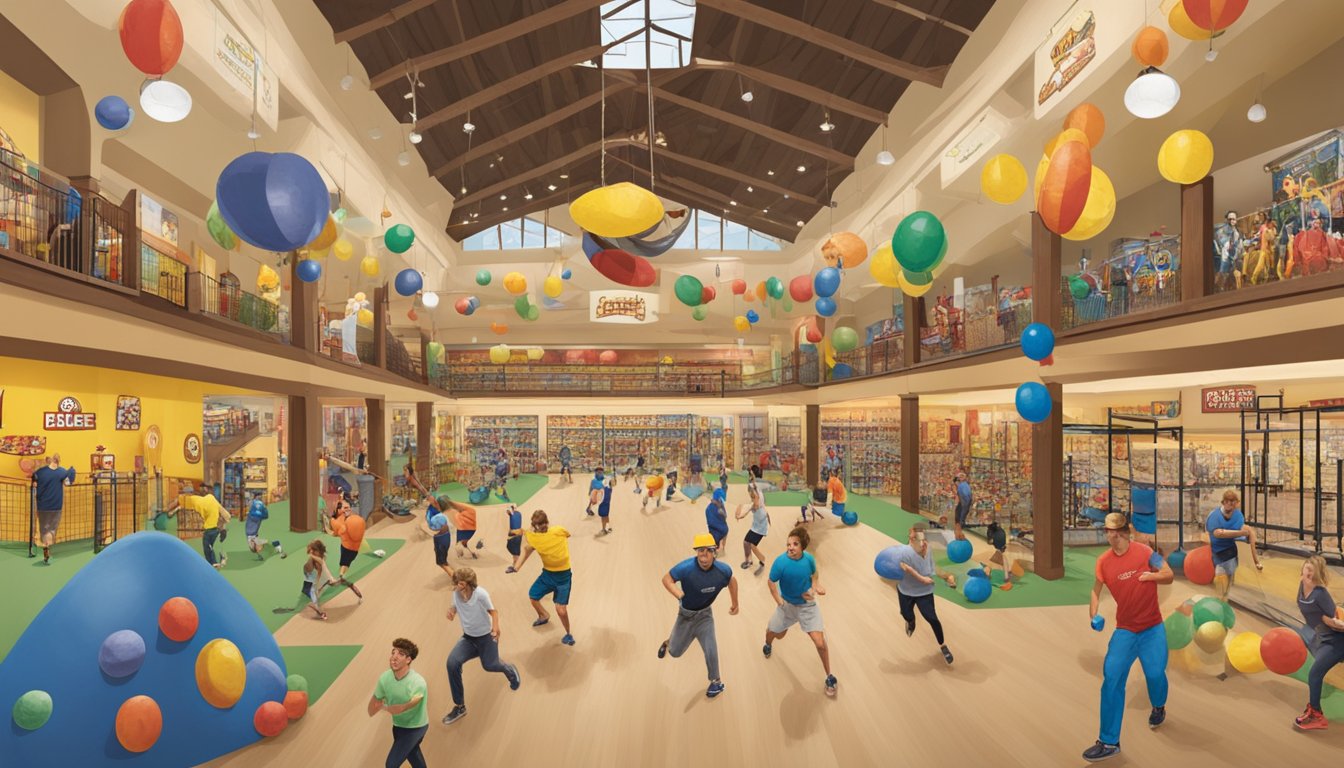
(1228,399)
(68,416)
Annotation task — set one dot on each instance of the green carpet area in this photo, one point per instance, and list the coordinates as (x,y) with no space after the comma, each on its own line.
(320,665)
(1029,592)
(520,490)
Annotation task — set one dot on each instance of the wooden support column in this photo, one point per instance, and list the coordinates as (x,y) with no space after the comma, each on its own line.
(130,242)
(913,308)
(910,452)
(1197,239)
(303,311)
(812,443)
(1046,304)
(376,411)
(304,439)
(424,438)
(424,358)
(1047,483)
(380,326)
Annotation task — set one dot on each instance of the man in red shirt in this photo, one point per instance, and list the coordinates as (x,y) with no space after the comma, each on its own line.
(1131,571)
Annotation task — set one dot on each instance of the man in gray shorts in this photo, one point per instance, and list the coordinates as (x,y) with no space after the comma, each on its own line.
(702,579)
(795,583)
(49,490)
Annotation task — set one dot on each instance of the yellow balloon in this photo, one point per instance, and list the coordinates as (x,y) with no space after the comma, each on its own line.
(1041,168)
(515,283)
(342,249)
(1209,636)
(1244,653)
(1068,134)
(1182,25)
(910,289)
(552,286)
(1003,179)
(741,323)
(1185,157)
(365,318)
(326,237)
(883,267)
(535,353)
(499,354)
(369,266)
(618,210)
(1099,210)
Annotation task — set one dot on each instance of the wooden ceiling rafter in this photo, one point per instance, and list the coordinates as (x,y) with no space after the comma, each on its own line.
(818,96)
(788,25)
(527,208)
(935,16)
(734,175)
(558,164)
(486,40)
(382,20)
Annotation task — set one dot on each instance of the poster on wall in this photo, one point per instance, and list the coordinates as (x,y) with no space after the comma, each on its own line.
(1087,34)
(1166,409)
(23,445)
(157,221)
(971,145)
(191,449)
(1228,399)
(128,412)
(631,307)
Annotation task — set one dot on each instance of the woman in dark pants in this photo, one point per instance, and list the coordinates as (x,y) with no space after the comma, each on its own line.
(916,588)
(1321,615)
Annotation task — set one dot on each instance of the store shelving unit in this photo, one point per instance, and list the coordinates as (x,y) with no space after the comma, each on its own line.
(583,435)
(518,435)
(870,441)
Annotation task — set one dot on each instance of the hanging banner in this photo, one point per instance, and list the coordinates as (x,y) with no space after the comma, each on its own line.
(268,95)
(1086,35)
(234,57)
(622,307)
(971,146)
(1228,399)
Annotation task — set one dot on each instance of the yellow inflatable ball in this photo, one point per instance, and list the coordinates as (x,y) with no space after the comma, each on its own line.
(369,266)
(364,318)
(617,210)
(741,323)
(1099,210)
(1243,651)
(535,353)
(1180,23)
(221,673)
(552,286)
(1209,636)
(342,249)
(499,354)
(883,267)
(515,283)
(1185,157)
(327,237)
(1003,179)
(654,483)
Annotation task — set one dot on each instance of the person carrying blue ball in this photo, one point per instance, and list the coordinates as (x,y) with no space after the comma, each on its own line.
(437,524)
(716,517)
(1131,571)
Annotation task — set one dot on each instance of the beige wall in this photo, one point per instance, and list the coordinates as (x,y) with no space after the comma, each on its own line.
(20,111)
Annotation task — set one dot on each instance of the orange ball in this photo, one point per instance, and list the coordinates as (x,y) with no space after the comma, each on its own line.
(271,718)
(178,619)
(1088,119)
(654,483)
(1283,651)
(296,704)
(1150,47)
(1199,565)
(139,723)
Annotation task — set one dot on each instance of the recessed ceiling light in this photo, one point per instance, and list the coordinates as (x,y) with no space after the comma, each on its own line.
(802,169)
(769,173)
(751,189)
(468,127)
(564,175)
(475,215)
(732,202)
(528,196)
(786,195)
(503,197)
(506,207)
(800,222)
(747,96)
(765,211)
(464,190)
(551,187)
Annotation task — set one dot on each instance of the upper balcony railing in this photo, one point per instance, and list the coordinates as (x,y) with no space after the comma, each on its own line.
(231,302)
(651,380)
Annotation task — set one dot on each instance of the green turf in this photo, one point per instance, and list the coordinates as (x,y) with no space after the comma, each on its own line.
(31,585)
(520,490)
(320,665)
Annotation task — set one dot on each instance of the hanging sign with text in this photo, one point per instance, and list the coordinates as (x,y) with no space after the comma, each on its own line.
(1227,399)
(622,307)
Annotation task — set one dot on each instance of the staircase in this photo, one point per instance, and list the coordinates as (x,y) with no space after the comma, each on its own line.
(216,453)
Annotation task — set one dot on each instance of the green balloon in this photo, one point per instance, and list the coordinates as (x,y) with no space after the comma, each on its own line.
(1229,616)
(844,339)
(339,215)
(1208,609)
(918,278)
(398,239)
(775,288)
(1180,631)
(698,313)
(219,231)
(483,277)
(919,241)
(520,305)
(533,313)
(689,290)
(1079,287)
(296,683)
(32,710)
(788,304)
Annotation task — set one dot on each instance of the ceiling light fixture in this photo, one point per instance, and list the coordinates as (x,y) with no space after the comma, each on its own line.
(165,101)
(347,82)
(769,173)
(468,127)
(375,134)
(732,202)
(1153,94)
(429,299)
(747,96)
(475,215)
(528,196)
(506,207)
(415,137)
(746,92)
(764,211)
(403,158)
(464,190)
(884,157)
(1257,113)
(551,187)
(751,188)
(564,175)
(826,125)
(802,169)
(800,222)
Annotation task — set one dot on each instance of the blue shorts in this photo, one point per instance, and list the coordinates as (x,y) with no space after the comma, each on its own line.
(963,509)
(604,510)
(552,581)
(838,508)
(465,535)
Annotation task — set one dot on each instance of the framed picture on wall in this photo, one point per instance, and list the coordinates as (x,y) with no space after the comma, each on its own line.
(191,448)
(128,412)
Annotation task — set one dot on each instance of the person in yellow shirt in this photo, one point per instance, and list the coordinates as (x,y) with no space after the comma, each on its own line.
(213,522)
(552,544)
(838,494)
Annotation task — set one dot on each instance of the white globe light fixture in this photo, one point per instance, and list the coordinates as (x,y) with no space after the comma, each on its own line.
(1257,113)
(347,82)
(429,299)
(403,158)
(165,101)
(885,158)
(1153,94)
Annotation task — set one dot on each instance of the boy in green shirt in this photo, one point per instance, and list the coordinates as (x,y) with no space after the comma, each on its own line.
(402,692)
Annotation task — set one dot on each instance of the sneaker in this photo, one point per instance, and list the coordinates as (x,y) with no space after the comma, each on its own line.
(515,679)
(760,568)
(1157,717)
(715,688)
(662,649)
(567,639)
(1314,721)
(480,545)
(590,511)
(510,569)
(457,713)
(766,650)
(1100,751)
(747,564)
(223,560)
(947,655)
(355,589)
(541,621)
(1306,713)
(283,555)
(909,628)
(830,685)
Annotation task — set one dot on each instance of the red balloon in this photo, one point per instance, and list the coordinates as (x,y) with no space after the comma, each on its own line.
(1199,565)
(739,287)
(607,357)
(410,315)
(1283,651)
(800,288)
(462,305)
(625,268)
(814,335)
(707,294)
(151,35)
(1068,180)
(1214,15)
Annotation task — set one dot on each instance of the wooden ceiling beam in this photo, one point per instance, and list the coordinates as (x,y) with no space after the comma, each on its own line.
(778,82)
(506,140)
(758,14)
(729,173)
(484,41)
(718,204)
(472,226)
(558,164)
(382,20)
(934,17)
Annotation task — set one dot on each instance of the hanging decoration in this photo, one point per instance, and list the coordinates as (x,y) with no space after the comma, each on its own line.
(1213,16)
(752,317)
(843,250)
(308,270)
(1003,179)
(800,288)
(342,250)
(741,323)
(483,277)
(1089,119)
(625,268)
(827,282)
(1185,157)
(688,290)
(882,267)
(1033,402)
(618,210)
(399,238)
(699,312)
(327,237)
(151,35)
(515,283)
(1150,47)
(825,306)
(499,328)
(276,202)
(499,354)
(219,229)
(708,294)
(844,338)
(526,309)
(1099,209)
(739,286)
(774,288)
(1065,186)
(369,266)
(408,282)
(920,242)
(113,113)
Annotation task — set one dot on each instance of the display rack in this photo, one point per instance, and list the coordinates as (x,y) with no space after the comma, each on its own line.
(241,478)
(870,442)
(403,432)
(583,435)
(517,435)
(755,437)
(789,436)
(712,441)
(445,439)
(343,430)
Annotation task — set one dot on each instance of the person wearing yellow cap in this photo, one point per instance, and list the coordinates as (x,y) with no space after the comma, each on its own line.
(702,578)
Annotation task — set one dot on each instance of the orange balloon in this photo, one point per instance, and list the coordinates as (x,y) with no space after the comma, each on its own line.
(761,291)
(499,328)
(1214,15)
(1068,134)
(1068,179)
(1180,23)
(139,723)
(1150,47)
(1087,118)
(749,297)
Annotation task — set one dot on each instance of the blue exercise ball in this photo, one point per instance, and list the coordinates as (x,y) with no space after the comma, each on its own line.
(308,270)
(408,282)
(825,306)
(977,573)
(1038,341)
(1177,561)
(850,517)
(977,590)
(752,317)
(1034,402)
(888,562)
(113,113)
(276,202)
(438,522)
(827,282)
(959,551)
(842,371)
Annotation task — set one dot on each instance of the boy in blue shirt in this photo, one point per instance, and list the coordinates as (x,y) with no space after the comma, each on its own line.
(437,524)
(702,578)
(795,584)
(604,508)
(515,542)
(256,512)
(1226,526)
(716,516)
(595,490)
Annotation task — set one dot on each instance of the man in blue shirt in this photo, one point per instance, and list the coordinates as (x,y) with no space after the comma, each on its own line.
(795,584)
(49,486)
(515,542)
(716,516)
(604,508)
(437,522)
(1226,526)
(963,503)
(566,456)
(595,490)
(702,578)
(256,512)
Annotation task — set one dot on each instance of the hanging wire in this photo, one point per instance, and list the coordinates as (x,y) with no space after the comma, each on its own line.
(602,72)
(648,78)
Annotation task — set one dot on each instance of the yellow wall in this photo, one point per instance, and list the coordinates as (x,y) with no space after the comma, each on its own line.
(19,109)
(32,388)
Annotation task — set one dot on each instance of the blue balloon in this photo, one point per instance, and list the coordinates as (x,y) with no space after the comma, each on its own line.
(752,317)
(976,590)
(827,282)
(888,562)
(74,202)
(590,247)
(1033,402)
(566,274)
(113,113)
(1177,560)
(1038,341)
(842,371)
(408,282)
(825,306)
(959,551)
(308,270)
(276,202)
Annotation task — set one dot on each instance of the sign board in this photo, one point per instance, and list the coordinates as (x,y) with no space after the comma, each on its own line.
(157,220)
(971,146)
(1084,37)
(234,57)
(68,416)
(631,307)
(1227,399)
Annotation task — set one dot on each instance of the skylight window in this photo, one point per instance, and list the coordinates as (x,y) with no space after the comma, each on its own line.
(670,25)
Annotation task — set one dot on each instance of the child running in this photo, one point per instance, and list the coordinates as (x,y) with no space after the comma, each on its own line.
(316,576)
(702,579)
(436,523)
(916,589)
(814,506)
(795,584)
(350,527)
(480,639)
(716,517)
(402,692)
(998,539)
(566,456)
(552,543)
(838,494)
(466,528)
(595,490)
(1327,646)
(760,526)
(515,542)
(257,512)
(604,508)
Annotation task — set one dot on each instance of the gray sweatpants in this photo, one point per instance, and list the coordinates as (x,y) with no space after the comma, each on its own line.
(696,625)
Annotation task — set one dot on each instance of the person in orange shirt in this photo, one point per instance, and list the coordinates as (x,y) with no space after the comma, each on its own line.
(466,528)
(350,527)
(838,494)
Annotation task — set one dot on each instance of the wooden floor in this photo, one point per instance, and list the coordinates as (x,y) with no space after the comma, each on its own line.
(1023,691)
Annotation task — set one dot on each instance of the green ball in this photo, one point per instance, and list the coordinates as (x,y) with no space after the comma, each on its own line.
(1229,616)
(1079,287)
(775,288)
(698,313)
(398,239)
(533,312)
(520,306)
(844,338)
(296,683)
(219,231)
(920,242)
(1208,609)
(1180,631)
(32,710)
(483,277)
(689,290)
(788,304)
